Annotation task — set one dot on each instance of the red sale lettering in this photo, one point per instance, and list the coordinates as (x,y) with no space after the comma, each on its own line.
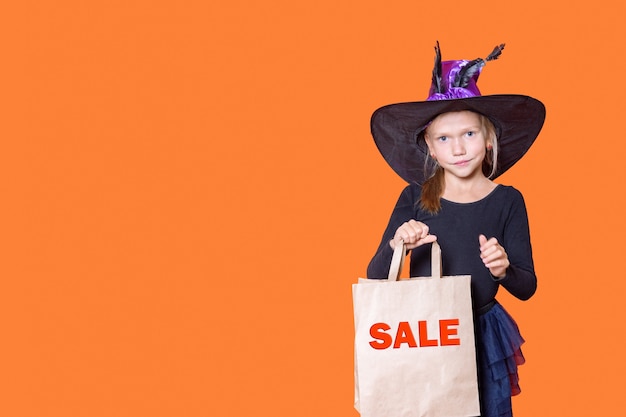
(404,335)
(448,335)
(445,332)
(424,341)
(377,331)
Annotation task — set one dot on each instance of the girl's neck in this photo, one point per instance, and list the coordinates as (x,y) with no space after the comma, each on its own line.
(467,190)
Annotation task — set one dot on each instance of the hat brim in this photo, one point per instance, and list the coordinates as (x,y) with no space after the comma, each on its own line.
(518,119)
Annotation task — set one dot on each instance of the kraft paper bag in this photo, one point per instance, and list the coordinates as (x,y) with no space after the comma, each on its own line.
(414,344)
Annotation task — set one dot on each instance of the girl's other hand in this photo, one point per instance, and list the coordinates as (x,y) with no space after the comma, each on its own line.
(413,233)
(494,256)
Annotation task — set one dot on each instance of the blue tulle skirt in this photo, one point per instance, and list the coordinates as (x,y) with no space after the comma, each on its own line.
(498,342)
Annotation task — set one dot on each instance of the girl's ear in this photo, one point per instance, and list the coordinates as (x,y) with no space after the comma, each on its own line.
(430,151)
(491,141)
(430,148)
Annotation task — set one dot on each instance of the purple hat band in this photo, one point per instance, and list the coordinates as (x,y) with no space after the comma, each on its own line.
(457,79)
(451,71)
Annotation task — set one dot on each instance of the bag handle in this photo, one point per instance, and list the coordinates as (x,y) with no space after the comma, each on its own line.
(399,254)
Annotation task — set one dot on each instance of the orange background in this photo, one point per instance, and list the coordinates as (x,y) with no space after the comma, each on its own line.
(190,188)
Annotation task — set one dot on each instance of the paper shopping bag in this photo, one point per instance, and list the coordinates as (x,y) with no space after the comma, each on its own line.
(414,345)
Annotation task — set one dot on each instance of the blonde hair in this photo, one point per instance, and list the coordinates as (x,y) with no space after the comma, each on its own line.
(434,186)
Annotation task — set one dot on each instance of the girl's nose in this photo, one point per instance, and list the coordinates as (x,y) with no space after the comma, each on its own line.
(458,147)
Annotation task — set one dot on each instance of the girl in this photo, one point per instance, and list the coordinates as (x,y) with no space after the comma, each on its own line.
(449,148)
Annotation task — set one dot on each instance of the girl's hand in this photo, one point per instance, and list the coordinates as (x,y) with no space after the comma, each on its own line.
(413,233)
(494,256)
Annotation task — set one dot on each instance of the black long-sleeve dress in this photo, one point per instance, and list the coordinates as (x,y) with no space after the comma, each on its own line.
(501,214)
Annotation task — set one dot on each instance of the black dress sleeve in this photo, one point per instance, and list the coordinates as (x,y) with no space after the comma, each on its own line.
(520,279)
(404,211)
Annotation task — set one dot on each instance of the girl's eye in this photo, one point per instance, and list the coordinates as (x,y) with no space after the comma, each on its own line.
(442,138)
(470,133)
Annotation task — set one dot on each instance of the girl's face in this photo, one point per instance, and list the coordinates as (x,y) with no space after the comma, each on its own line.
(458,141)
